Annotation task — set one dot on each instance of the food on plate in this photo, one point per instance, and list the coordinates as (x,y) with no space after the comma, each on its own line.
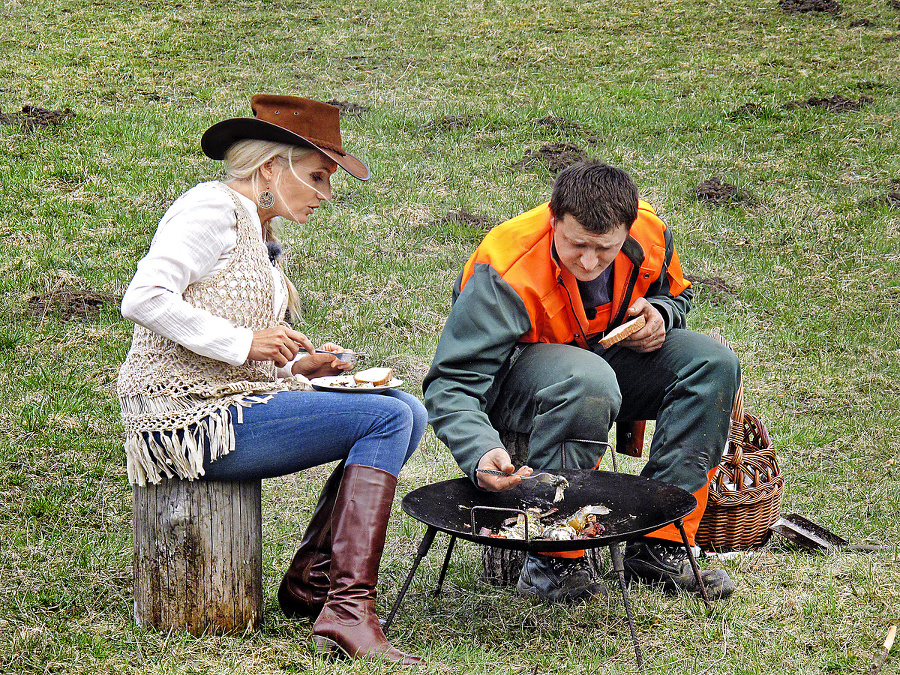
(582,524)
(621,332)
(375,377)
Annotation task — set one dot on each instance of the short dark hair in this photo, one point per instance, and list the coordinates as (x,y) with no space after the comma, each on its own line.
(600,197)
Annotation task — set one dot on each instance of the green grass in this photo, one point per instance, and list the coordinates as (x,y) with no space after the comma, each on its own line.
(812,258)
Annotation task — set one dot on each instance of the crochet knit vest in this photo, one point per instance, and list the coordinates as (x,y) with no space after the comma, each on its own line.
(175,402)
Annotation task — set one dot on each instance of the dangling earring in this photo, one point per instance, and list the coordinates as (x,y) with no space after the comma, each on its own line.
(265,199)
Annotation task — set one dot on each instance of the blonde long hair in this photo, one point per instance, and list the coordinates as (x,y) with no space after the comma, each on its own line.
(243,161)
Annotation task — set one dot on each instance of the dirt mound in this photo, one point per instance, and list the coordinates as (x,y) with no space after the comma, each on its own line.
(450,122)
(465,217)
(565,125)
(716,192)
(718,290)
(749,110)
(892,199)
(348,108)
(836,103)
(69,302)
(554,156)
(797,6)
(32,117)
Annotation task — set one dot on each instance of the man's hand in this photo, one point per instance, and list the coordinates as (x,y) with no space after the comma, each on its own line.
(498,460)
(279,344)
(652,335)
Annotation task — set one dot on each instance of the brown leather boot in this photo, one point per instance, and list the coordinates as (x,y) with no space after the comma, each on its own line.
(358,526)
(305,586)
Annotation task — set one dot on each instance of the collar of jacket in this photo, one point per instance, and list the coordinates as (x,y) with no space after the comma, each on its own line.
(627,263)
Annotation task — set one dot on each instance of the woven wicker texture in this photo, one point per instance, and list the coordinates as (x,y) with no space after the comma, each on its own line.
(745,492)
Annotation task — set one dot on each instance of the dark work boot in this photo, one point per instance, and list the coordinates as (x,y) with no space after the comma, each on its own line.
(306,583)
(559,579)
(667,565)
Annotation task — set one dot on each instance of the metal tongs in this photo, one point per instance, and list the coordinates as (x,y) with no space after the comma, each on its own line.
(540,477)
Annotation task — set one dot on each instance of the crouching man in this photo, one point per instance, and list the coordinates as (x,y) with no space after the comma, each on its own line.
(520,351)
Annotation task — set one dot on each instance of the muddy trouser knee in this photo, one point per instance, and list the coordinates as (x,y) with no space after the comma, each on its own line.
(688,387)
(558,394)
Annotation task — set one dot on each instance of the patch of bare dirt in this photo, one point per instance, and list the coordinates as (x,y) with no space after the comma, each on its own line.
(32,117)
(798,6)
(861,23)
(69,302)
(836,103)
(465,217)
(450,122)
(718,290)
(716,192)
(748,110)
(894,4)
(892,199)
(565,125)
(348,108)
(554,156)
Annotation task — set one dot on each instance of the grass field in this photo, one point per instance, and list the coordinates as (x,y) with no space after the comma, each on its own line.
(454,105)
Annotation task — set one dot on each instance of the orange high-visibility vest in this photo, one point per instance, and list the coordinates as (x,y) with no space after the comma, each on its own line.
(519,250)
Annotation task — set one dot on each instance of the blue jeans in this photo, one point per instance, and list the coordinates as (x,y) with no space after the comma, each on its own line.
(296,430)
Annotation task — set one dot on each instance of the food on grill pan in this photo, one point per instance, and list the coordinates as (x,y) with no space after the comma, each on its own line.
(582,524)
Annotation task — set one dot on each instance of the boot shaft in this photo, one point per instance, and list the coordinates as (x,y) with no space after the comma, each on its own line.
(358,530)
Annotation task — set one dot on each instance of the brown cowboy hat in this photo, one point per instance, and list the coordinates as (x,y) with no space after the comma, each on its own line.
(286,119)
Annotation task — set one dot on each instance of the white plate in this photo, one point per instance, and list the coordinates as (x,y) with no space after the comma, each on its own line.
(346,384)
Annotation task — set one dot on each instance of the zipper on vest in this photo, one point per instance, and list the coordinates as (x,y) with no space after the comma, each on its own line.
(581,335)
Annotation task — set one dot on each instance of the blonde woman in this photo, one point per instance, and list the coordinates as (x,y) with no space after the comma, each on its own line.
(216,385)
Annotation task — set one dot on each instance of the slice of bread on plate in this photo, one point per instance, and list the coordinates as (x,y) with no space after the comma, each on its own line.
(619,333)
(377,377)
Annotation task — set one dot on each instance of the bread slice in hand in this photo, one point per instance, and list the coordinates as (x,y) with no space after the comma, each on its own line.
(621,332)
(375,376)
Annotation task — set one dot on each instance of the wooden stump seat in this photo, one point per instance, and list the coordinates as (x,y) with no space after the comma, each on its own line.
(198,556)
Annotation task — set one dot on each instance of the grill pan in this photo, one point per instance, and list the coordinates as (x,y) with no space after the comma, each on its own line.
(637,506)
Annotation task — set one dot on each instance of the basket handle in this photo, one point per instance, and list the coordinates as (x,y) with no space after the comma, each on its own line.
(736,435)
(736,432)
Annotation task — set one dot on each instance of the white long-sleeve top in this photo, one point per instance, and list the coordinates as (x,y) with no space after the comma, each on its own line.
(195,238)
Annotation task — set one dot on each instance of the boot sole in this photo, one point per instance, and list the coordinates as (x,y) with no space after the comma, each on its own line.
(328,648)
(601,595)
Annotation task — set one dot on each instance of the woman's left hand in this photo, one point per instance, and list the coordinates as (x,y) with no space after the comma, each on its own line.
(321,365)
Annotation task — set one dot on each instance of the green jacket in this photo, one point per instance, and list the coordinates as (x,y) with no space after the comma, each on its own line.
(512,291)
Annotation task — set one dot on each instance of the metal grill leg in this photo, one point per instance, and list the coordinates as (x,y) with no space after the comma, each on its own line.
(427,541)
(687,546)
(440,583)
(619,566)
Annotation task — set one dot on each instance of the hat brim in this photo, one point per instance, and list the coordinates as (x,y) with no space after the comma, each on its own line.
(220,136)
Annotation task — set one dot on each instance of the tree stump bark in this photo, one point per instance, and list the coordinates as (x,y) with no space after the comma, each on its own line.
(198,556)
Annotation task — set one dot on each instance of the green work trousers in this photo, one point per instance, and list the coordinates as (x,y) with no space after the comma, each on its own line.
(560,394)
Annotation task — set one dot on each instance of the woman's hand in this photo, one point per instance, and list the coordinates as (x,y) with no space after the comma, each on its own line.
(321,365)
(499,460)
(279,344)
(652,335)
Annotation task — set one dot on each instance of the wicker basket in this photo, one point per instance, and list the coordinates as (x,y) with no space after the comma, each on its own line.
(745,491)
